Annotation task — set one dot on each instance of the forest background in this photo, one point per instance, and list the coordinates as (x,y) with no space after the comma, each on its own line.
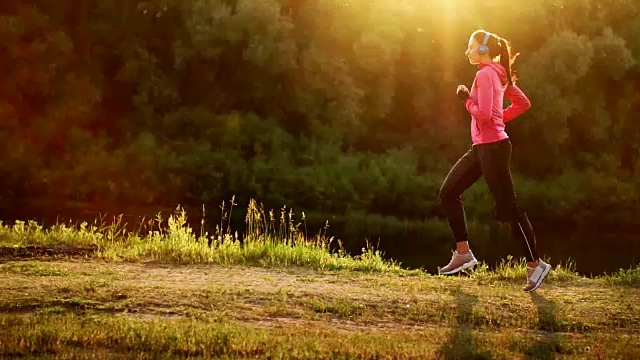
(334,107)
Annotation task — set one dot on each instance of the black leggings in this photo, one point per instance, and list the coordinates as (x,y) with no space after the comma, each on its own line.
(493,162)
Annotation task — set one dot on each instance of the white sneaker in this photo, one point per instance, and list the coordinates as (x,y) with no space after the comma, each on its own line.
(458,263)
(536,276)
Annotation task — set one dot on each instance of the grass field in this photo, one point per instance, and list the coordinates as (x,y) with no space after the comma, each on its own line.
(97,292)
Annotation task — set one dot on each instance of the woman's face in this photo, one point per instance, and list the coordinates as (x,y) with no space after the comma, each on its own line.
(472,52)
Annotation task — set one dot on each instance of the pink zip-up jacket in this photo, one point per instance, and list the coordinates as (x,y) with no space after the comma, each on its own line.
(485,102)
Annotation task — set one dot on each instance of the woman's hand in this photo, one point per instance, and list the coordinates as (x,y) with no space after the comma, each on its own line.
(462,92)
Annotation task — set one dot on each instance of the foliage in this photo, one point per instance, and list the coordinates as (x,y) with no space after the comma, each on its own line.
(336,106)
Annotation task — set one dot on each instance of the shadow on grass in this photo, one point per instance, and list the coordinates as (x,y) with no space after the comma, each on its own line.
(550,344)
(461,343)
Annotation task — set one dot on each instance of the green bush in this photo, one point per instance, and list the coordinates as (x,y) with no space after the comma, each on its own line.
(333,106)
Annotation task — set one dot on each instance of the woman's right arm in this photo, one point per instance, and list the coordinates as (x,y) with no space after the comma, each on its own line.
(519,103)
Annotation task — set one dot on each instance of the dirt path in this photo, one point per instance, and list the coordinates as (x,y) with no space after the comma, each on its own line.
(158,310)
(302,297)
(270,298)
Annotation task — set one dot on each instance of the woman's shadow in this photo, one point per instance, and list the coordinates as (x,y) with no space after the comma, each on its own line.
(550,344)
(461,344)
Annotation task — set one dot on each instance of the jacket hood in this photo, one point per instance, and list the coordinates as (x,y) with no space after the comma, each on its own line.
(500,70)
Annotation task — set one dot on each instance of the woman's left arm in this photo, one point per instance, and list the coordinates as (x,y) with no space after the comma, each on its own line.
(519,103)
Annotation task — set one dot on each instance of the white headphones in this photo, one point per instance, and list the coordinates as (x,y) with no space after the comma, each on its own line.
(484,48)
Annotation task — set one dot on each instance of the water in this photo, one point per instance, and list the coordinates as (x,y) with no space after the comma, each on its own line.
(593,251)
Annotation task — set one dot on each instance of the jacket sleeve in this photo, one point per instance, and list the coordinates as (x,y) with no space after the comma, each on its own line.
(519,103)
(481,109)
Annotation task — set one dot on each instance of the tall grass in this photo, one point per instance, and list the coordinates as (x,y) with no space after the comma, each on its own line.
(625,277)
(270,239)
(516,269)
(24,233)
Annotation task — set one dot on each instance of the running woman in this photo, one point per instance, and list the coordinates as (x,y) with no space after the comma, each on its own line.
(490,155)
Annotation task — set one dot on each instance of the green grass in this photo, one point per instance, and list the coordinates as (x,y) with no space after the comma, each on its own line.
(151,310)
(152,339)
(270,241)
(30,268)
(69,336)
(164,292)
(625,277)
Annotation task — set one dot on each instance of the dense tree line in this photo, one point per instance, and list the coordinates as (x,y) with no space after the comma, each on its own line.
(326,105)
